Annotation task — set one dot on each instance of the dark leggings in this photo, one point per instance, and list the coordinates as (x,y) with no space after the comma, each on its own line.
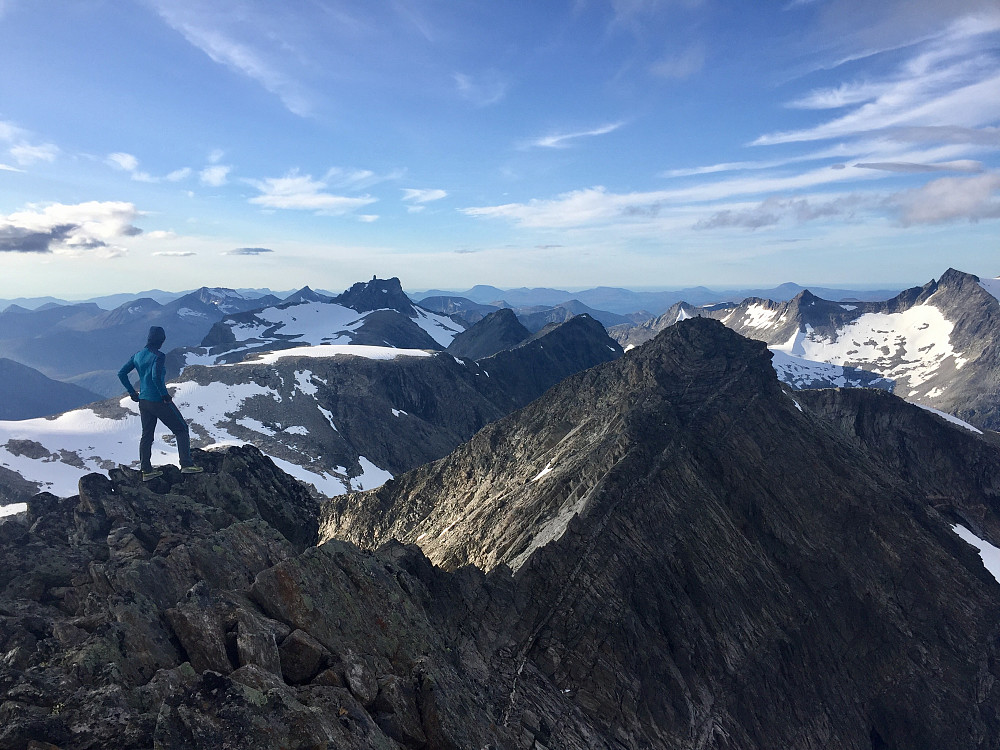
(166,412)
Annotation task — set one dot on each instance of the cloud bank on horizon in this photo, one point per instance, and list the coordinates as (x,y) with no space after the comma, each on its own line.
(577,142)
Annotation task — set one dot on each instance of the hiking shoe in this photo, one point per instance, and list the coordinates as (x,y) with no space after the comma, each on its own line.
(192,469)
(147,475)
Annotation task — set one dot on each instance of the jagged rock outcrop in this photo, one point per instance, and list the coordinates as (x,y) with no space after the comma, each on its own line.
(704,561)
(497,331)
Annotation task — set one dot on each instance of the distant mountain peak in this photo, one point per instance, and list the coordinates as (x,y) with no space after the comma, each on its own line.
(377,294)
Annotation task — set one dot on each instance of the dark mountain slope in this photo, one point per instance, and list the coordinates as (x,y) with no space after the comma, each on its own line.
(497,331)
(25,393)
(555,352)
(703,563)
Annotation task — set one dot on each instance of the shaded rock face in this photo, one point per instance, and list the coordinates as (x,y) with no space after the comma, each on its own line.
(703,561)
(377,294)
(494,333)
(536,319)
(547,357)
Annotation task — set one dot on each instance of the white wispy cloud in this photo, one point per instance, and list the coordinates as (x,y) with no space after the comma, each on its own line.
(949,80)
(124,161)
(302,192)
(175,253)
(483,90)
(22,149)
(564,140)
(26,154)
(215,176)
(178,174)
(680,65)
(90,228)
(343,178)
(209,28)
(423,195)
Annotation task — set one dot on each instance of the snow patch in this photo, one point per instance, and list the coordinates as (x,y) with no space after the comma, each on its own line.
(371,476)
(799,372)
(758,316)
(950,418)
(440,328)
(989,553)
(13,509)
(334,350)
(543,472)
(304,382)
(329,416)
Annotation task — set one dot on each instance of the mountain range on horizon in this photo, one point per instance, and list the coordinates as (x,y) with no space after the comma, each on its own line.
(282,377)
(618,300)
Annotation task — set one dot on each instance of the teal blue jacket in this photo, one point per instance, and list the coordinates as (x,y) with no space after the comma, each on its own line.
(151,364)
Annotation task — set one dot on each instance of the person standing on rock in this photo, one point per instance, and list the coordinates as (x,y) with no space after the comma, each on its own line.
(155,404)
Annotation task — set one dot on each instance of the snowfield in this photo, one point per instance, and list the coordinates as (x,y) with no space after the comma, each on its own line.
(334,350)
(800,373)
(313,324)
(907,347)
(989,553)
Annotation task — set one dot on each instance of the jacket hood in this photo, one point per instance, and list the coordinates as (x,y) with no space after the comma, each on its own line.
(156,337)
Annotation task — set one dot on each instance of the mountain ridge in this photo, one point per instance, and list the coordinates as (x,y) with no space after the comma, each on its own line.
(691,525)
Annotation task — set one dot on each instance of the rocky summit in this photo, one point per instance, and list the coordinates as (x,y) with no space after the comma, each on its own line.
(668,550)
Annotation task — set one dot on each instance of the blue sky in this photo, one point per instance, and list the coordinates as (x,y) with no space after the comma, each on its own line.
(576,143)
